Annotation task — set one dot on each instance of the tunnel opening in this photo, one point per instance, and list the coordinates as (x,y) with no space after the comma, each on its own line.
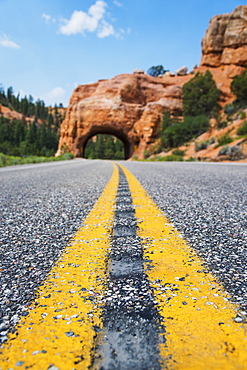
(107,145)
(104,146)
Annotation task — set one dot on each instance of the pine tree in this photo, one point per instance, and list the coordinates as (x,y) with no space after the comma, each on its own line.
(200,96)
(239,86)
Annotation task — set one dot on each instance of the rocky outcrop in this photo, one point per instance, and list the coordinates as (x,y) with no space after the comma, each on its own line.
(225,41)
(182,71)
(168,74)
(129,106)
(139,71)
(224,49)
(11,114)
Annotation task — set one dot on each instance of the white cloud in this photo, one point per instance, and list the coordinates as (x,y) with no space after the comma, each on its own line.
(48,18)
(105,30)
(92,21)
(56,95)
(6,42)
(120,34)
(117,3)
(57,92)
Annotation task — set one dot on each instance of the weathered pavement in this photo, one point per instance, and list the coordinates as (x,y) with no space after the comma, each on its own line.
(127,292)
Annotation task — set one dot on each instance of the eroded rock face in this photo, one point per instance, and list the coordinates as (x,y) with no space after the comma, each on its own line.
(129,106)
(10,114)
(225,41)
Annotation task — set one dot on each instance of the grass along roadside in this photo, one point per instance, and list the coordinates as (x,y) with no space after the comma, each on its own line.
(6,160)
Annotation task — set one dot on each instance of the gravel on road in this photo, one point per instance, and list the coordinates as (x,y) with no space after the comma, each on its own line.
(41,208)
(208,204)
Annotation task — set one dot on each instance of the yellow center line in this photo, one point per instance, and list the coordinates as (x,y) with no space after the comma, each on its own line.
(59,329)
(200,330)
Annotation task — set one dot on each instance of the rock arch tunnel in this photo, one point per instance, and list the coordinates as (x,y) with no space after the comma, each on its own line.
(128,146)
(127,106)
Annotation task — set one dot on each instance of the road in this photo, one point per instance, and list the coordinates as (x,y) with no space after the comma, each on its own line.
(153,277)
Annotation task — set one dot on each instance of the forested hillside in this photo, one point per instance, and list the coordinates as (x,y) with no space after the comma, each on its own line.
(37,130)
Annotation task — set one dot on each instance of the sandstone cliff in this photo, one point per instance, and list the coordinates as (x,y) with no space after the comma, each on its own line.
(225,41)
(131,106)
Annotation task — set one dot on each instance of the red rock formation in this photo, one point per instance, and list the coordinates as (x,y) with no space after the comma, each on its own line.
(225,41)
(224,49)
(10,114)
(131,106)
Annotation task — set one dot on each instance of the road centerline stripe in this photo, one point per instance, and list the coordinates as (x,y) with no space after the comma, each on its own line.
(130,339)
(66,315)
(199,317)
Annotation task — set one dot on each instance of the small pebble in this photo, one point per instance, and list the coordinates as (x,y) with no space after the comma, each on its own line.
(238,319)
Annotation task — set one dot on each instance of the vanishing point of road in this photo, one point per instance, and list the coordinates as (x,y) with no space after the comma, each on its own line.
(123,265)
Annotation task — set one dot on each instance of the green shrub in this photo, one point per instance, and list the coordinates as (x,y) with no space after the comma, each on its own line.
(170,158)
(178,152)
(201,96)
(225,150)
(13,160)
(146,153)
(201,145)
(3,160)
(242,130)
(6,160)
(230,109)
(191,159)
(239,86)
(66,156)
(242,115)
(64,148)
(180,132)
(224,140)
(221,124)
(232,151)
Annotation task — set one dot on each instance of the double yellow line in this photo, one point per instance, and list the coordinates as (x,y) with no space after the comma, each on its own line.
(60,330)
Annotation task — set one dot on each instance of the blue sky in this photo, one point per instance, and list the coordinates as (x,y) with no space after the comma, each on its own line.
(48,47)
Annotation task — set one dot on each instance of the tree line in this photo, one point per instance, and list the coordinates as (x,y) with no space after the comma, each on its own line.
(25,105)
(37,136)
(104,146)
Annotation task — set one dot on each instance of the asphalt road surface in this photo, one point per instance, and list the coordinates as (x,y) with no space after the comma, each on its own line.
(123,285)
(208,204)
